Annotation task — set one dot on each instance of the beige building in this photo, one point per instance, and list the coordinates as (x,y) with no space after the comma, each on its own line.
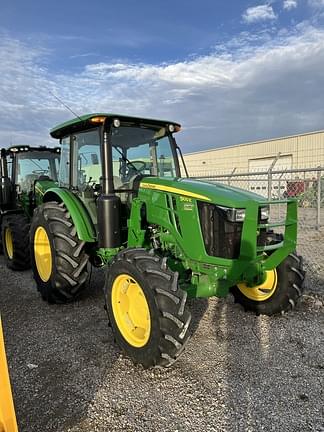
(296,151)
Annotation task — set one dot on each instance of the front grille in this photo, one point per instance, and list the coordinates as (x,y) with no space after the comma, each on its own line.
(222,238)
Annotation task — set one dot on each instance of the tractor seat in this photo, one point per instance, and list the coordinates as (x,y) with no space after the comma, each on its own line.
(44,177)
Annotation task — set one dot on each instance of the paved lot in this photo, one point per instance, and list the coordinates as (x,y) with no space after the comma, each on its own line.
(239,372)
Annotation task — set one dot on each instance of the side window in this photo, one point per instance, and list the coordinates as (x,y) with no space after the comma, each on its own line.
(88,158)
(117,162)
(64,178)
(165,159)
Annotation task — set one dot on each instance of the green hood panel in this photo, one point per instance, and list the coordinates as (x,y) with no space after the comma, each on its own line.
(203,190)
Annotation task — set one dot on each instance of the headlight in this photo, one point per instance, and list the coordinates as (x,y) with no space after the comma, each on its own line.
(233,214)
(264,213)
(239,215)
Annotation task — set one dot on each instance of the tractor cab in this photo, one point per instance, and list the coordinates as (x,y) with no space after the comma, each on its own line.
(20,168)
(105,156)
(23,171)
(28,164)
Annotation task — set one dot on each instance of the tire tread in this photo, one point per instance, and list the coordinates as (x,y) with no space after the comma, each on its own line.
(288,292)
(170,300)
(69,257)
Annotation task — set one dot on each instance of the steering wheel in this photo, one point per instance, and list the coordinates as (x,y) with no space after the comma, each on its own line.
(132,169)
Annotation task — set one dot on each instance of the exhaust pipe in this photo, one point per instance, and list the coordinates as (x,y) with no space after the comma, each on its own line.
(108,203)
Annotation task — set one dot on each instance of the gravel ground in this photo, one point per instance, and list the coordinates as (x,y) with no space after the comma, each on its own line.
(311,247)
(239,372)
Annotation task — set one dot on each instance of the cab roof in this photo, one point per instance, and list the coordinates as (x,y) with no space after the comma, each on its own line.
(27,148)
(88,121)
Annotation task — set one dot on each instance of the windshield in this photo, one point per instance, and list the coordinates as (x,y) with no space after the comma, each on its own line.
(32,165)
(141,150)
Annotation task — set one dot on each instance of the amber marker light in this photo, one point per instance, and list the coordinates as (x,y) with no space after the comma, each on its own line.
(98,119)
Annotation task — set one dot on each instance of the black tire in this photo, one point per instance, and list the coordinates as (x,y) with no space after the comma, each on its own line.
(169,316)
(69,259)
(18,226)
(290,279)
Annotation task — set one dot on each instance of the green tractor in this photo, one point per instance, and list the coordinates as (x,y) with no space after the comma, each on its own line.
(121,202)
(20,168)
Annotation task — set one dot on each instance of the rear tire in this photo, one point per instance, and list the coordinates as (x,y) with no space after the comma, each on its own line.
(284,296)
(159,338)
(59,260)
(15,241)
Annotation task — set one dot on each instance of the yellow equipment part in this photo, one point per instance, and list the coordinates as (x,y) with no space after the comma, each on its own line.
(263,291)
(43,254)
(8,421)
(8,242)
(131,310)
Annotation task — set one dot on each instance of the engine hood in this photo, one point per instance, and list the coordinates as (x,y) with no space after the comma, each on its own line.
(217,193)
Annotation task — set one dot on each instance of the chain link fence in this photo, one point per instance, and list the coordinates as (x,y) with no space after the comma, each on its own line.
(307,186)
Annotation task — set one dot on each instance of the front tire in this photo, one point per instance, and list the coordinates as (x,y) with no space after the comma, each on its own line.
(15,241)
(59,260)
(147,308)
(280,291)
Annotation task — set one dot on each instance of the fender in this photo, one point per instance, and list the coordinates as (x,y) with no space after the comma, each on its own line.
(8,421)
(78,212)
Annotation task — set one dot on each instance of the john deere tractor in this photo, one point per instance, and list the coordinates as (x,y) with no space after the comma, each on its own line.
(20,168)
(121,202)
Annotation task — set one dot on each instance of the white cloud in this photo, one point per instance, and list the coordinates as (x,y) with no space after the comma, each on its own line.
(259,13)
(249,92)
(289,4)
(316,4)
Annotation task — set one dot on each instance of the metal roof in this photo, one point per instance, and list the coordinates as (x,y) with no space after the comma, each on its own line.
(255,142)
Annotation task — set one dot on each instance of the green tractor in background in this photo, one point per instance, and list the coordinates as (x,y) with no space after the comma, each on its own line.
(20,167)
(121,202)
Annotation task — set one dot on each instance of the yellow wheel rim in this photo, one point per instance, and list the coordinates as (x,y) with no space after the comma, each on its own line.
(43,254)
(131,310)
(263,291)
(9,242)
